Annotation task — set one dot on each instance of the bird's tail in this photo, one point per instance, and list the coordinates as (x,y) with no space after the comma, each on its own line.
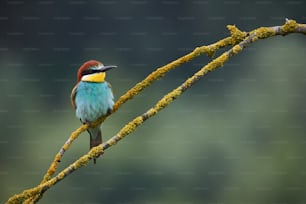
(95,137)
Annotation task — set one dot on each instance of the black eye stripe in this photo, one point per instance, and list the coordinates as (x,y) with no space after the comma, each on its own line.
(90,71)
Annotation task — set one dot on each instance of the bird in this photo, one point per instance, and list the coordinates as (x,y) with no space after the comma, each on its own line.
(92,97)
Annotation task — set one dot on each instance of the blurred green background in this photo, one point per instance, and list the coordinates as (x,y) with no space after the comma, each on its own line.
(237,136)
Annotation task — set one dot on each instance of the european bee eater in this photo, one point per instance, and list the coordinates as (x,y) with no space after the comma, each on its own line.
(92,97)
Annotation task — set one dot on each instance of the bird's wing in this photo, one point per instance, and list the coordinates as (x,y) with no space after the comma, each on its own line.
(72,96)
(110,87)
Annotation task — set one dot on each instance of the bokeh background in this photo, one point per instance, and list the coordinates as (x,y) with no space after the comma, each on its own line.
(237,136)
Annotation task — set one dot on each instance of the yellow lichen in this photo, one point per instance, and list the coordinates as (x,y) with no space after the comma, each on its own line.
(225,42)
(236,34)
(263,32)
(237,49)
(255,38)
(290,26)
(83,161)
(218,62)
(61,175)
(130,127)
(111,142)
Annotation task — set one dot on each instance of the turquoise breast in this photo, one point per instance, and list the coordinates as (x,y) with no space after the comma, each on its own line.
(93,100)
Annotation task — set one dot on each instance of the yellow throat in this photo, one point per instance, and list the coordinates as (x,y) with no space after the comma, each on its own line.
(96,77)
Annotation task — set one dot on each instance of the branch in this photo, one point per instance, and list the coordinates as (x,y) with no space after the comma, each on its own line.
(157,74)
(238,39)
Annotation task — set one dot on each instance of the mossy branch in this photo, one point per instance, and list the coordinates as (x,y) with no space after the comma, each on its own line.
(238,39)
(210,50)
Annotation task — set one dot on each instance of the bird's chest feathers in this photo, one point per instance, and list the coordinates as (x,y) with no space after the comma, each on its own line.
(96,77)
(91,92)
(93,100)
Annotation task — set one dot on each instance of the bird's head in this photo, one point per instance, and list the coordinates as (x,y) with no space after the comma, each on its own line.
(93,71)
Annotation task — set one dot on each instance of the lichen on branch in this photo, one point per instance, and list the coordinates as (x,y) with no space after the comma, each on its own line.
(237,39)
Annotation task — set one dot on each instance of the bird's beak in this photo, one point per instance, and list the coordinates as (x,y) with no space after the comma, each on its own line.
(106,68)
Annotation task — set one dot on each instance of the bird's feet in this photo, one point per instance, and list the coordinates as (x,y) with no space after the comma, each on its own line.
(109,111)
(86,122)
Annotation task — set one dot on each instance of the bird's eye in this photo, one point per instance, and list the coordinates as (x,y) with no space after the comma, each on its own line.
(89,71)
